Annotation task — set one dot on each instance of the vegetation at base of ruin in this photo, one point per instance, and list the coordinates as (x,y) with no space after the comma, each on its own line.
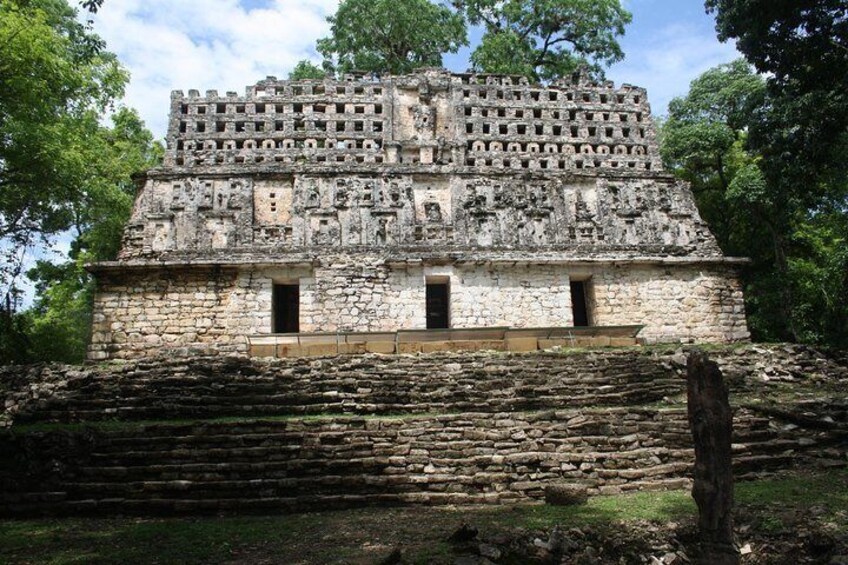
(770,509)
(390,36)
(62,173)
(545,40)
(765,156)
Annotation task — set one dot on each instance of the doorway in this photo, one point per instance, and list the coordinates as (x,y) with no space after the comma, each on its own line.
(286,308)
(579,304)
(438,303)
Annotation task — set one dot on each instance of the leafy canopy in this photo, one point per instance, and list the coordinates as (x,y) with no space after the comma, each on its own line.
(704,141)
(59,324)
(62,173)
(306,70)
(55,79)
(546,39)
(800,138)
(803,46)
(390,36)
(795,239)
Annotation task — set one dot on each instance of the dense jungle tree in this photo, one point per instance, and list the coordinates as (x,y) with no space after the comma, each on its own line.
(306,70)
(801,136)
(56,79)
(546,39)
(390,36)
(797,241)
(62,173)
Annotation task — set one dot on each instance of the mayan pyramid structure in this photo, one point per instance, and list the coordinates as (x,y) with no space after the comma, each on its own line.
(432,200)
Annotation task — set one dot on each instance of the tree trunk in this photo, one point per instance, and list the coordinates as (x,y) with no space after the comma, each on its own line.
(711,422)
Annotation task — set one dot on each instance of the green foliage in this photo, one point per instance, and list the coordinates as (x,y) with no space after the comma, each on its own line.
(794,231)
(803,46)
(56,79)
(61,172)
(801,138)
(703,141)
(306,70)
(390,36)
(59,323)
(798,41)
(546,39)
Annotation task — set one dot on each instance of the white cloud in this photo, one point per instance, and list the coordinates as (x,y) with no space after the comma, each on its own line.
(667,61)
(206,44)
(224,45)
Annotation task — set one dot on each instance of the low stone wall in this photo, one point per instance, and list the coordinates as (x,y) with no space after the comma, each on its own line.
(332,462)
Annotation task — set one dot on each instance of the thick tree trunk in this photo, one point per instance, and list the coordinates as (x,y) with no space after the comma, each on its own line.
(711,422)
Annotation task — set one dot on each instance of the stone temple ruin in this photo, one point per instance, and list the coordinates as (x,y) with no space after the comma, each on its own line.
(372,206)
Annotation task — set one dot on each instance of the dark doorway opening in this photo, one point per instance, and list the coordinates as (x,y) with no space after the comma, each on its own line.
(286,304)
(579,306)
(438,296)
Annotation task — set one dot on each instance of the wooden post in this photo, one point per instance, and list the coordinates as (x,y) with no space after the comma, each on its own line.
(711,422)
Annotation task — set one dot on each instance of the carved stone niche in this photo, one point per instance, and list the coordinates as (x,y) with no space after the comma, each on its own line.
(161,233)
(433,212)
(207,196)
(424,120)
(324,230)
(383,228)
(389,194)
(360,192)
(483,230)
(538,231)
(342,194)
(219,232)
(432,200)
(539,199)
(479,197)
(272,202)
(311,194)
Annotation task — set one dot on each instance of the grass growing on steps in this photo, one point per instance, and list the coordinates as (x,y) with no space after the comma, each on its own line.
(130,425)
(368,535)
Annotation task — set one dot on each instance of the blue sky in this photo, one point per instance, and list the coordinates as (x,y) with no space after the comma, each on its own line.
(228,44)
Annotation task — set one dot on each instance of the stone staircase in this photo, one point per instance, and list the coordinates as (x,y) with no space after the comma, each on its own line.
(496,430)
(215,387)
(304,464)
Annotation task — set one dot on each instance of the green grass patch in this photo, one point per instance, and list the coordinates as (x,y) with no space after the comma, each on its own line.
(828,490)
(651,506)
(368,535)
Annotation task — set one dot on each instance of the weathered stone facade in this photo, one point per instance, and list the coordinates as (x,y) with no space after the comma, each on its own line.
(361,191)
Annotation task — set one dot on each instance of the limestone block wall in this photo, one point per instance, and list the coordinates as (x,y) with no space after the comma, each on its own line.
(520,296)
(218,309)
(682,303)
(361,293)
(142,314)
